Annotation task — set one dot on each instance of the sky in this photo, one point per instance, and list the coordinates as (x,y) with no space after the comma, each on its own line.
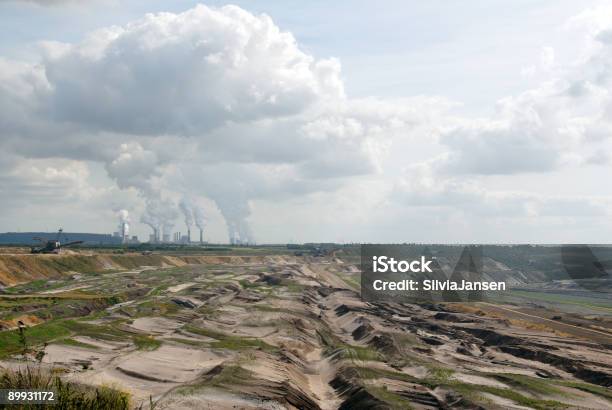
(346,121)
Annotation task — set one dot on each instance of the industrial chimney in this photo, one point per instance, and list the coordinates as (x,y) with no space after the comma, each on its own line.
(201,236)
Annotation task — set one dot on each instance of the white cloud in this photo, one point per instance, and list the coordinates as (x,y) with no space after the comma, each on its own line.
(134,167)
(222,104)
(419,187)
(41,181)
(186,74)
(539,129)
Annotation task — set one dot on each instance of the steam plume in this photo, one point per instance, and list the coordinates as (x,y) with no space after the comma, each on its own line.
(235,214)
(160,215)
(200,219)
(124,222)
(187,210)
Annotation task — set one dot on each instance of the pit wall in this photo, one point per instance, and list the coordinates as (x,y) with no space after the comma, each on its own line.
(18,269)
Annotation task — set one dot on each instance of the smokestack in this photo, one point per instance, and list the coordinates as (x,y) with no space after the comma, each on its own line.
(187,208)
(193,215)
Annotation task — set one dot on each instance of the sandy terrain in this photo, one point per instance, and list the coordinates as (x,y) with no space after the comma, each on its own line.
(287,332)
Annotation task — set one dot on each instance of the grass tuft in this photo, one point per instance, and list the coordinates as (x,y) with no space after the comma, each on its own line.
(68,395)
(360,353)
(143,342)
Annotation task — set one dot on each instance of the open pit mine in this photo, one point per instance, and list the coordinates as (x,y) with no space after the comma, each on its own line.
(275,328)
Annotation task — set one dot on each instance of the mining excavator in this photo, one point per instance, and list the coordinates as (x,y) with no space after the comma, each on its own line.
(52,245)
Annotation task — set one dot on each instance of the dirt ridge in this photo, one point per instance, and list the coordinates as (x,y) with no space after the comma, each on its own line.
(22,268)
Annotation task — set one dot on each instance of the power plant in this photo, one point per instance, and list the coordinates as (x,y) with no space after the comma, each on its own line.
(160,215)
(161,227)
(124,226)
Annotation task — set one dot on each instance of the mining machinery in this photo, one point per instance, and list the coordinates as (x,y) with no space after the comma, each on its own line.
(52,245)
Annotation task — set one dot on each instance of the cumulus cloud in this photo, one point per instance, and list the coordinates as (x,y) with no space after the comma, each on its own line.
(134,167)
(186,74)
(40,181)
(564,122)
(540,129)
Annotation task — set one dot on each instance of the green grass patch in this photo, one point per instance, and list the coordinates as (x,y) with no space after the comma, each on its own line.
(56,330)
(589,388)
(208,311)
(228,376)
(439,375)
(23,302)
(144,342)
(158,290)
(266,308)
(156,307)
(37,285)
(360,353)
(72,342)
(231,342)
(36,335)
(249,285)
(188,342)
(373,373)
(231,376)
(333,345)
(442,377)
(474,392)
(531,384)
(105,332)
(354,281)
(395,400)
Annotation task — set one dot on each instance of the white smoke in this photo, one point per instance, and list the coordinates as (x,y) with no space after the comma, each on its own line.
(151,220)
(187,210)
(124,222)
(193,214)
(160,215)
(200,218)
(236,213)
